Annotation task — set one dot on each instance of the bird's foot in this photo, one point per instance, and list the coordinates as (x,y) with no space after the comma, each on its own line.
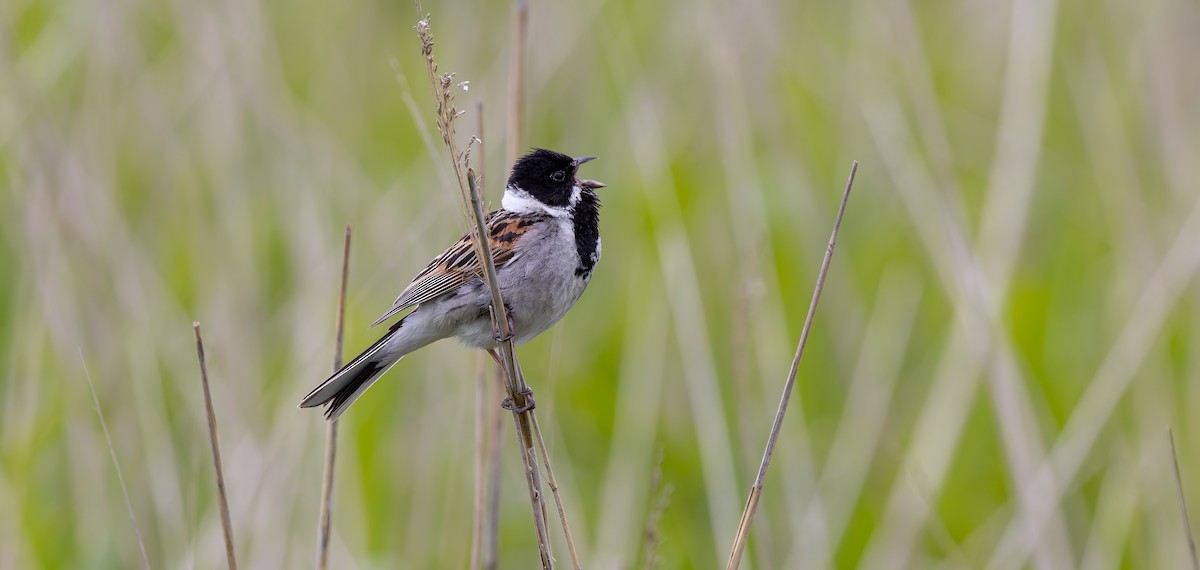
(499,338)
(529,402)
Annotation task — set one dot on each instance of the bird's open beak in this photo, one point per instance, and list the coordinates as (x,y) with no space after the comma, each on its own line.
(588,183)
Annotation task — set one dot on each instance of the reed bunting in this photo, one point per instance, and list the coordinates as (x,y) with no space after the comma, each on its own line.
(545,240)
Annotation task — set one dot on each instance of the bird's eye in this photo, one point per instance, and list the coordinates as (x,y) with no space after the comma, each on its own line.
(558,176)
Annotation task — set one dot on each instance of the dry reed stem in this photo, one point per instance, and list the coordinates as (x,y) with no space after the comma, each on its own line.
(112,452)
(519,394)
(516,81)
(481,410)
(481,456)
(481,451)
(491,550)
(739,543)
(223,501)
(326,517)
(1187,523)
(562,514)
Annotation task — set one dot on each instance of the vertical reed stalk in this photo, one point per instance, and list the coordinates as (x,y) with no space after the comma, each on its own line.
(519,394)
(481,409)
(516,81)
(223,501)
(331,428)
(491,551)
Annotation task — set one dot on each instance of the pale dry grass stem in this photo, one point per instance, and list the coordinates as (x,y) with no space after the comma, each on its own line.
(112,452)
(482,454)
(516,81)
(210,414)
(331,429)
(562,514)
(520,396)
(1183,511)
(739,542)
(491,532)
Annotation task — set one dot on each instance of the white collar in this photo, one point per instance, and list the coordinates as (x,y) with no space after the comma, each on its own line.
(519,201)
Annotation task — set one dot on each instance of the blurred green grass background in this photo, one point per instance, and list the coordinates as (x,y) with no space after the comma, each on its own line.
(1008,328)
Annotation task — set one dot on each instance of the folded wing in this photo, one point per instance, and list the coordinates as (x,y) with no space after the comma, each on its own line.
(459,264)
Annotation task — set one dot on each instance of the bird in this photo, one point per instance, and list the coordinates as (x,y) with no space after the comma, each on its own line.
(545,240)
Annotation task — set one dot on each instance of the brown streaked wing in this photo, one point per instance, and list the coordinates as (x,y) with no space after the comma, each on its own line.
(458,264)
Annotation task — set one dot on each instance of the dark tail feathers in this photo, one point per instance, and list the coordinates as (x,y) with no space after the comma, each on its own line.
(347,384)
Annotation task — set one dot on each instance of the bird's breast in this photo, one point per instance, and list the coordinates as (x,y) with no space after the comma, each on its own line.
(543,281)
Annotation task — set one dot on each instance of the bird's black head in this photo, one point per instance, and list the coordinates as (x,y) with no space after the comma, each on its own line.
(547,176)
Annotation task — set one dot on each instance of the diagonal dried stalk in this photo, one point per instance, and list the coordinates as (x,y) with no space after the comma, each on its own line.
(326,518)
(519,393)
(562,514)
(223,501)
(743,532)
(1187,523)
(112,452)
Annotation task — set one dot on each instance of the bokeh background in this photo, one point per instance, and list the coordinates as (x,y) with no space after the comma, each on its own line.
(1011,322)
